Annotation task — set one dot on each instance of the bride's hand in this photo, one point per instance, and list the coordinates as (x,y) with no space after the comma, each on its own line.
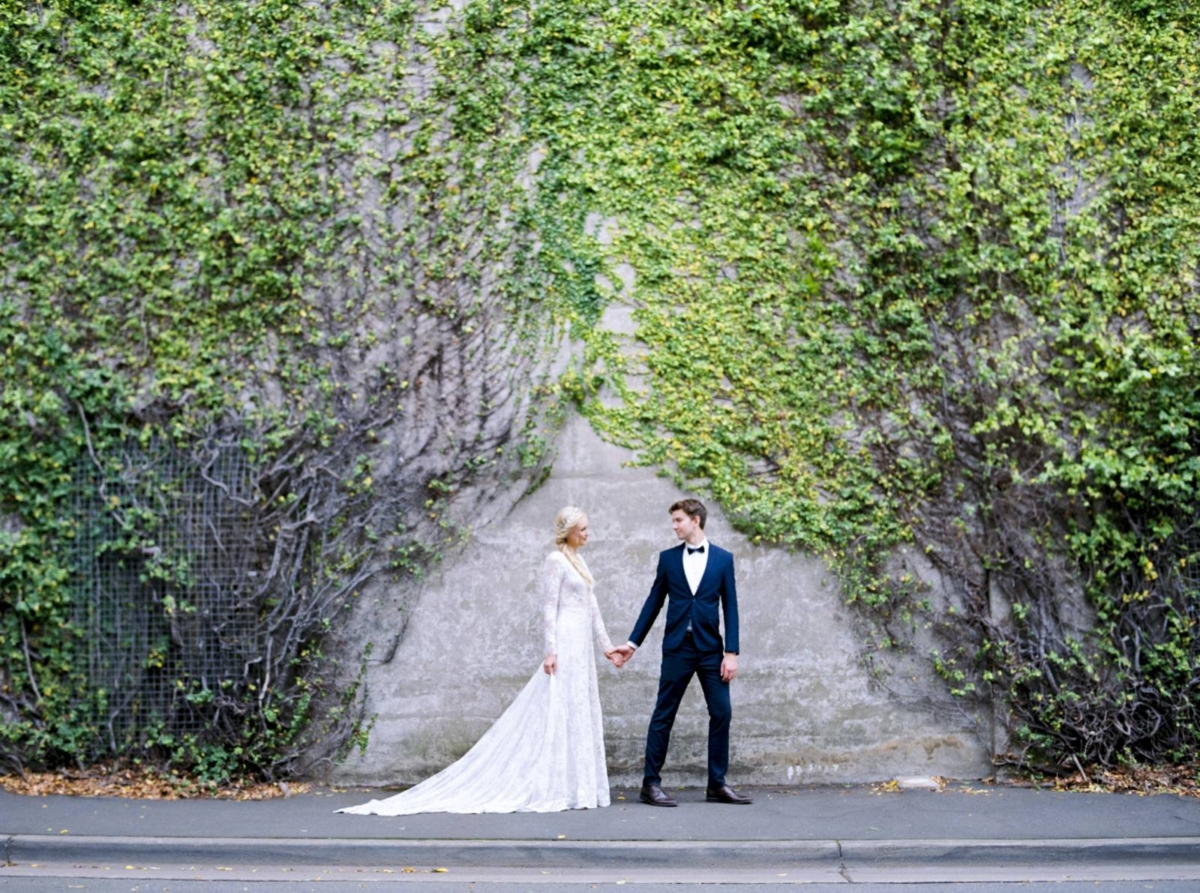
(550,664)
(615,656)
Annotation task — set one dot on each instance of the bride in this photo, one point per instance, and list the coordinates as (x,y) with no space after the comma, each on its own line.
(546,752)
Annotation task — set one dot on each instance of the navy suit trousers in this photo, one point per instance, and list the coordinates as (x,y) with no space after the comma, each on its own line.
(678,668)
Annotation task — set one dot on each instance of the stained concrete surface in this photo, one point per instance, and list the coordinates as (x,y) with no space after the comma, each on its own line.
(805,707)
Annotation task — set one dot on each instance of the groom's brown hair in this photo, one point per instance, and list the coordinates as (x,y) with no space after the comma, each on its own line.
(693,508)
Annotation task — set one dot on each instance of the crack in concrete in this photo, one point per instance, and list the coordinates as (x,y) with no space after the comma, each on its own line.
(842,864)
(8,842)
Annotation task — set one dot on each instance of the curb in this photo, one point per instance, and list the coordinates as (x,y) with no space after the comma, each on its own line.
(1092,852)
(546,854)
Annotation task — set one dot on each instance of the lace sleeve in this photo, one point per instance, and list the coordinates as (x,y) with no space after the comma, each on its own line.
(552,576)
(602,638)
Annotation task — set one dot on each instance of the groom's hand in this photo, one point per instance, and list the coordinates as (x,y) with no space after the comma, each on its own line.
(625,652)
(728,666)
(617,659)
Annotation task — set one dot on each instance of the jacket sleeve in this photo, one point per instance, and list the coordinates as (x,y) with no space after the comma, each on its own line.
(553,571)
(729,605)
(654,603)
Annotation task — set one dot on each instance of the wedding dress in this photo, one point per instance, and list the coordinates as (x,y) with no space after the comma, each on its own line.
(546,752)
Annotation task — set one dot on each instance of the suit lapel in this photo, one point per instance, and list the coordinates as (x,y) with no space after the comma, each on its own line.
(679,569)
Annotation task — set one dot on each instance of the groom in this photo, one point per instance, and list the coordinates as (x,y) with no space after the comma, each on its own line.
(696,580)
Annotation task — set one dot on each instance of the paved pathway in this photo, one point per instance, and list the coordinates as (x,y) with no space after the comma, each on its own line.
(835,835)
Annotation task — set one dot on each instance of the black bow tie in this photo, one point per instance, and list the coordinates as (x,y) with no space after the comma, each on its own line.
(697,549)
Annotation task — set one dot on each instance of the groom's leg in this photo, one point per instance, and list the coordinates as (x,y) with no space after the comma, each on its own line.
(678,667)
(720,713)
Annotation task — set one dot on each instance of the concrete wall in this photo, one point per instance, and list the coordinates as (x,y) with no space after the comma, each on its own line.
(805,709)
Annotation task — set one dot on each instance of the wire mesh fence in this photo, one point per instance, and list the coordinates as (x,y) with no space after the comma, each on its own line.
(165,558)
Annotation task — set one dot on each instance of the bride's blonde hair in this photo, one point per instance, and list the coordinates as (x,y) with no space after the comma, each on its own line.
(565,521)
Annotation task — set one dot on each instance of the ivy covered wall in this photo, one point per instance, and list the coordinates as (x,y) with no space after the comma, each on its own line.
(255,229)
(916,273)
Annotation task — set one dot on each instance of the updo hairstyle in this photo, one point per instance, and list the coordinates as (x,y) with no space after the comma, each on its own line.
(564,522)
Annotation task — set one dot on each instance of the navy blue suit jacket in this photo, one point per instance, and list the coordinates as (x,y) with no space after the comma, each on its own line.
(716,591)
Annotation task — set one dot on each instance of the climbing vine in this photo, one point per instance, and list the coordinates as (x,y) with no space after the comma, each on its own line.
(916,276)
(911,285)
(250,235)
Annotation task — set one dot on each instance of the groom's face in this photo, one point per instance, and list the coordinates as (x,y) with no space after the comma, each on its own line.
(683,524)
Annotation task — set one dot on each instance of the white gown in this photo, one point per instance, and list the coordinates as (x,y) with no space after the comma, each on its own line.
(546,752)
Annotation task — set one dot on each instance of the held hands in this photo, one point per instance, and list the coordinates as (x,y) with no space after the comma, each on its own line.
(619,655)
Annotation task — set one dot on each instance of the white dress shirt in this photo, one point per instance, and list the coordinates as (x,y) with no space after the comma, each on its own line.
(694,563)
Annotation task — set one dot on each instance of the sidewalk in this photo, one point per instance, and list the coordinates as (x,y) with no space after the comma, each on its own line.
(835,828)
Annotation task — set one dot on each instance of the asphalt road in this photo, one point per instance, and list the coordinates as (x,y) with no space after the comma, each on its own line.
(970,838)
(334,884)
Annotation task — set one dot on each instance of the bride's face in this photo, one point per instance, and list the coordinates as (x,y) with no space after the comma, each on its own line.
(579,534)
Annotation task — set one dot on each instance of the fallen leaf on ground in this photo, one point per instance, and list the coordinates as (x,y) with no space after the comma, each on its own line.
(141,783)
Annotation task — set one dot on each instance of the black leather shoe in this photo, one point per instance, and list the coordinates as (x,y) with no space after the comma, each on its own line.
(726,794)
(655,796)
